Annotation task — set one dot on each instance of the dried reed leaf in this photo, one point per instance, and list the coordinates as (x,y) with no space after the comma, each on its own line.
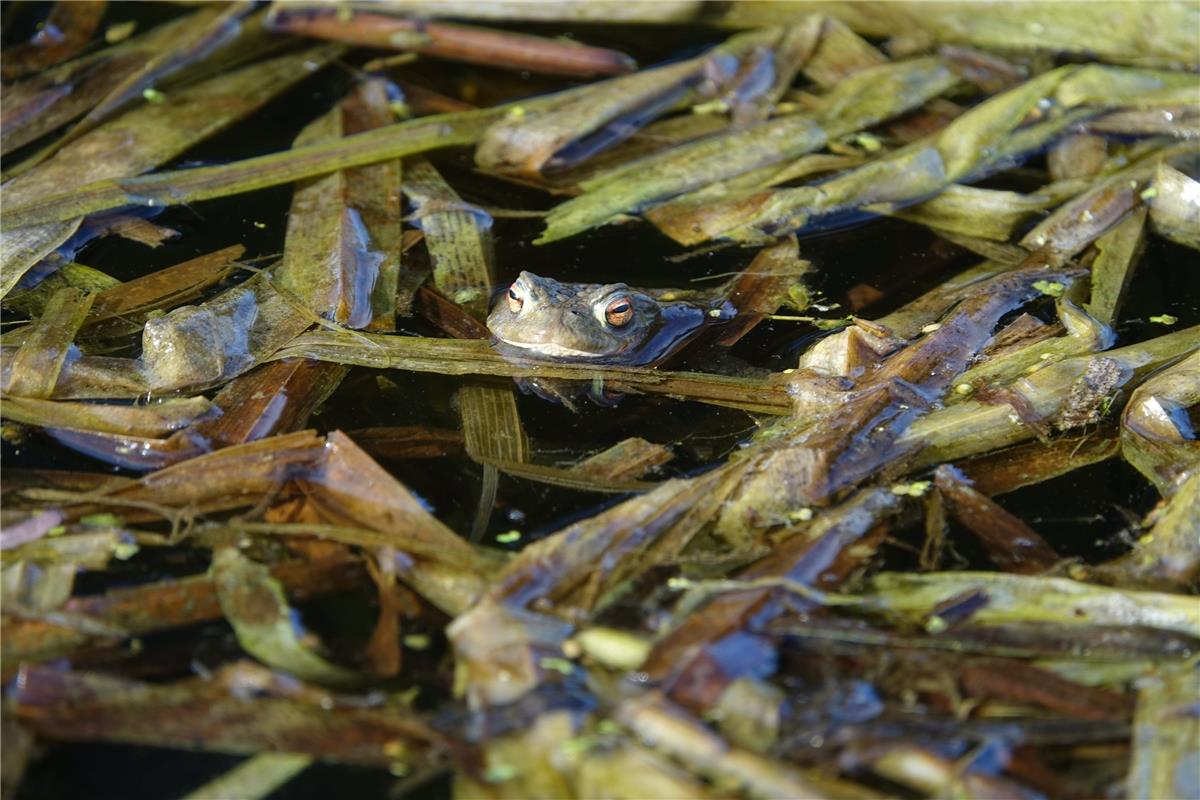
(473,45)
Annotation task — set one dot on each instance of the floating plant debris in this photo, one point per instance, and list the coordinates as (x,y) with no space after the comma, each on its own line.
(852,448)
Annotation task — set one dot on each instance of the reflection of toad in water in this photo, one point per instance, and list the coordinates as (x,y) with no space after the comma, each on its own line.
(598,324)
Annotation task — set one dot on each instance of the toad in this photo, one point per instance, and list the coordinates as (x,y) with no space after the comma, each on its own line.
(603,324)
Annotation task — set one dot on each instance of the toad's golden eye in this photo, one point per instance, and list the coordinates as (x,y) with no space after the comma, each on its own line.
(619,312)
(515,299)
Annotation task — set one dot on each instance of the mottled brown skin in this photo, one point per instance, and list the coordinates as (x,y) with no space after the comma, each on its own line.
(544,319)
(599,323)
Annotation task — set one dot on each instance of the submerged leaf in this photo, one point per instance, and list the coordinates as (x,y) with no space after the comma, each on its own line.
(230,478)
(629,458)
(373,192)
(254,604)
(1168,555)
(459,242)
(329,262)
(172,603)
(1011,544)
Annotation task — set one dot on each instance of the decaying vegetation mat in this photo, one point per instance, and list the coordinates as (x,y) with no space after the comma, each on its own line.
(735,631)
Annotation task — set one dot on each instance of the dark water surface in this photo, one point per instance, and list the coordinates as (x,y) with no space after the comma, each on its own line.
(1086,514)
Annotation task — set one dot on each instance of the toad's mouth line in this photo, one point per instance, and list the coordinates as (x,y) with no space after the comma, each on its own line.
(551,349)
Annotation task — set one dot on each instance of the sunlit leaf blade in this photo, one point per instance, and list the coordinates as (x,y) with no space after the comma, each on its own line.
(606,10)
(207,31)
(21,248)
(1077,222)
(1083,334)
(124,307)
(466,357)
(33,301)
(457,236)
